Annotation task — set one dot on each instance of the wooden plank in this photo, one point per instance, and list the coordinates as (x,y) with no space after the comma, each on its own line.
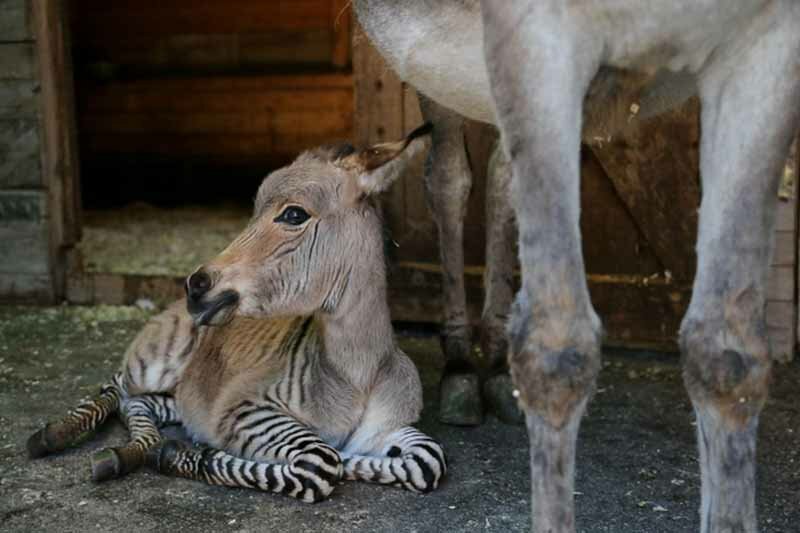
(24,248)
(785,253)
(211,147)
(654,167)
(780,314)
(122,98)
(378,116)
(782,342)
(15,22)
(780,286)
(120,19)
(17,61)
(22,206)
(18,99)
(20,162)
(146,92)
(20,169)
(59,137)
(416,237)
(25,288)
(342,16)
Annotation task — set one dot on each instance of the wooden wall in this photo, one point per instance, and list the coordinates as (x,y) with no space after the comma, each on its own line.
(36,201)
(640,194)
(175,89)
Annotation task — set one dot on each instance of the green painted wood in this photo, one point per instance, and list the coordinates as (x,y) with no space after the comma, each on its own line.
(17,61)
(19,99)
(15,21)
(22,206)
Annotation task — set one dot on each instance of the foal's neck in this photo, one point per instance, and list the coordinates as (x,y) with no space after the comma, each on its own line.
(358,336)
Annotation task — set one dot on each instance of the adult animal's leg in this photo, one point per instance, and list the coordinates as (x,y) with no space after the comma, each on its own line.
(142,415)
(538,79)
(498,285)
(263,450)
(448,180)
(406,458)
(750,95)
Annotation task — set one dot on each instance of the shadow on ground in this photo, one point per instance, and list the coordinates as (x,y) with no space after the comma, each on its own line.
(637,467)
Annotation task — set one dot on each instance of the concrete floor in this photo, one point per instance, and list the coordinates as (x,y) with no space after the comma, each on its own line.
(637,466)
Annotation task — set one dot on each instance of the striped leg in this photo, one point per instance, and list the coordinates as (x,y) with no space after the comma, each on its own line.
(79,424)
(276,453)
(409,459)
(143,415)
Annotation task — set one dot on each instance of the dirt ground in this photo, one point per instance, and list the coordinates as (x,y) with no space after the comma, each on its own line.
(637,464)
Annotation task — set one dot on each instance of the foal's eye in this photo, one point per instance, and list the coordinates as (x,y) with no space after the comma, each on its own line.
(293,215)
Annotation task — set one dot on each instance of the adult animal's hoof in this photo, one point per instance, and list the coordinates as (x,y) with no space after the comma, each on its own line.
(460,400)
(498,391)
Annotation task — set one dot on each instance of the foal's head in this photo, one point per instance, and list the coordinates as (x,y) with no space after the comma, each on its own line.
(313,228)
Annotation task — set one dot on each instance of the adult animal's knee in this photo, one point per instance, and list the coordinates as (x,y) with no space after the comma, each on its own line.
(725,372)
(554,362)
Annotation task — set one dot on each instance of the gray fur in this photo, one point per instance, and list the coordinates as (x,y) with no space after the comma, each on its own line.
(550,73)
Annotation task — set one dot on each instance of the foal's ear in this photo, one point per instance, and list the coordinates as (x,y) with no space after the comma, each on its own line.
(375,168)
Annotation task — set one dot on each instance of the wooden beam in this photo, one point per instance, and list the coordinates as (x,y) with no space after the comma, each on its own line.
(59,138)
(342,16)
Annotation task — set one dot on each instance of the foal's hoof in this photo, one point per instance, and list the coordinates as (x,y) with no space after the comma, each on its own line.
(499,393)
(163,457)
(37,444)
(106,464)
(460,400)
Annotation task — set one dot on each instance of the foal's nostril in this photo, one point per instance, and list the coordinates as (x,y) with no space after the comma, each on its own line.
(198,284)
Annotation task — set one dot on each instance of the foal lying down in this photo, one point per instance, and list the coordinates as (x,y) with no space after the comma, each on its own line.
(285,364)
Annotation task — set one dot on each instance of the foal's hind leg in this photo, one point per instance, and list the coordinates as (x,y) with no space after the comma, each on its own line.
(80,423)
(407,458)
(447,184)
(750,100)
(538,82)
(142,415)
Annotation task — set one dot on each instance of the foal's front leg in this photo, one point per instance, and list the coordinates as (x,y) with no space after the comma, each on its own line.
(751,100)
(264,449)
(538,80)
(143,416)
(80,423)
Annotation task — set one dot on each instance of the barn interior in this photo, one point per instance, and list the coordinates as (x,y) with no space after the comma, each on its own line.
(183,107)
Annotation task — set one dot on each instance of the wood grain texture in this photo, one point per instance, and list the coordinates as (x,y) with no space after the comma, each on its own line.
(59,139)
(18,99)
(254,120)
(17,61)
(15,23)
(654,167)
(379,117)
(127,37)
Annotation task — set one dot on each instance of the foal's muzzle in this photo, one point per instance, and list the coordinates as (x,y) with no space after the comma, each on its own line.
(202,308)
